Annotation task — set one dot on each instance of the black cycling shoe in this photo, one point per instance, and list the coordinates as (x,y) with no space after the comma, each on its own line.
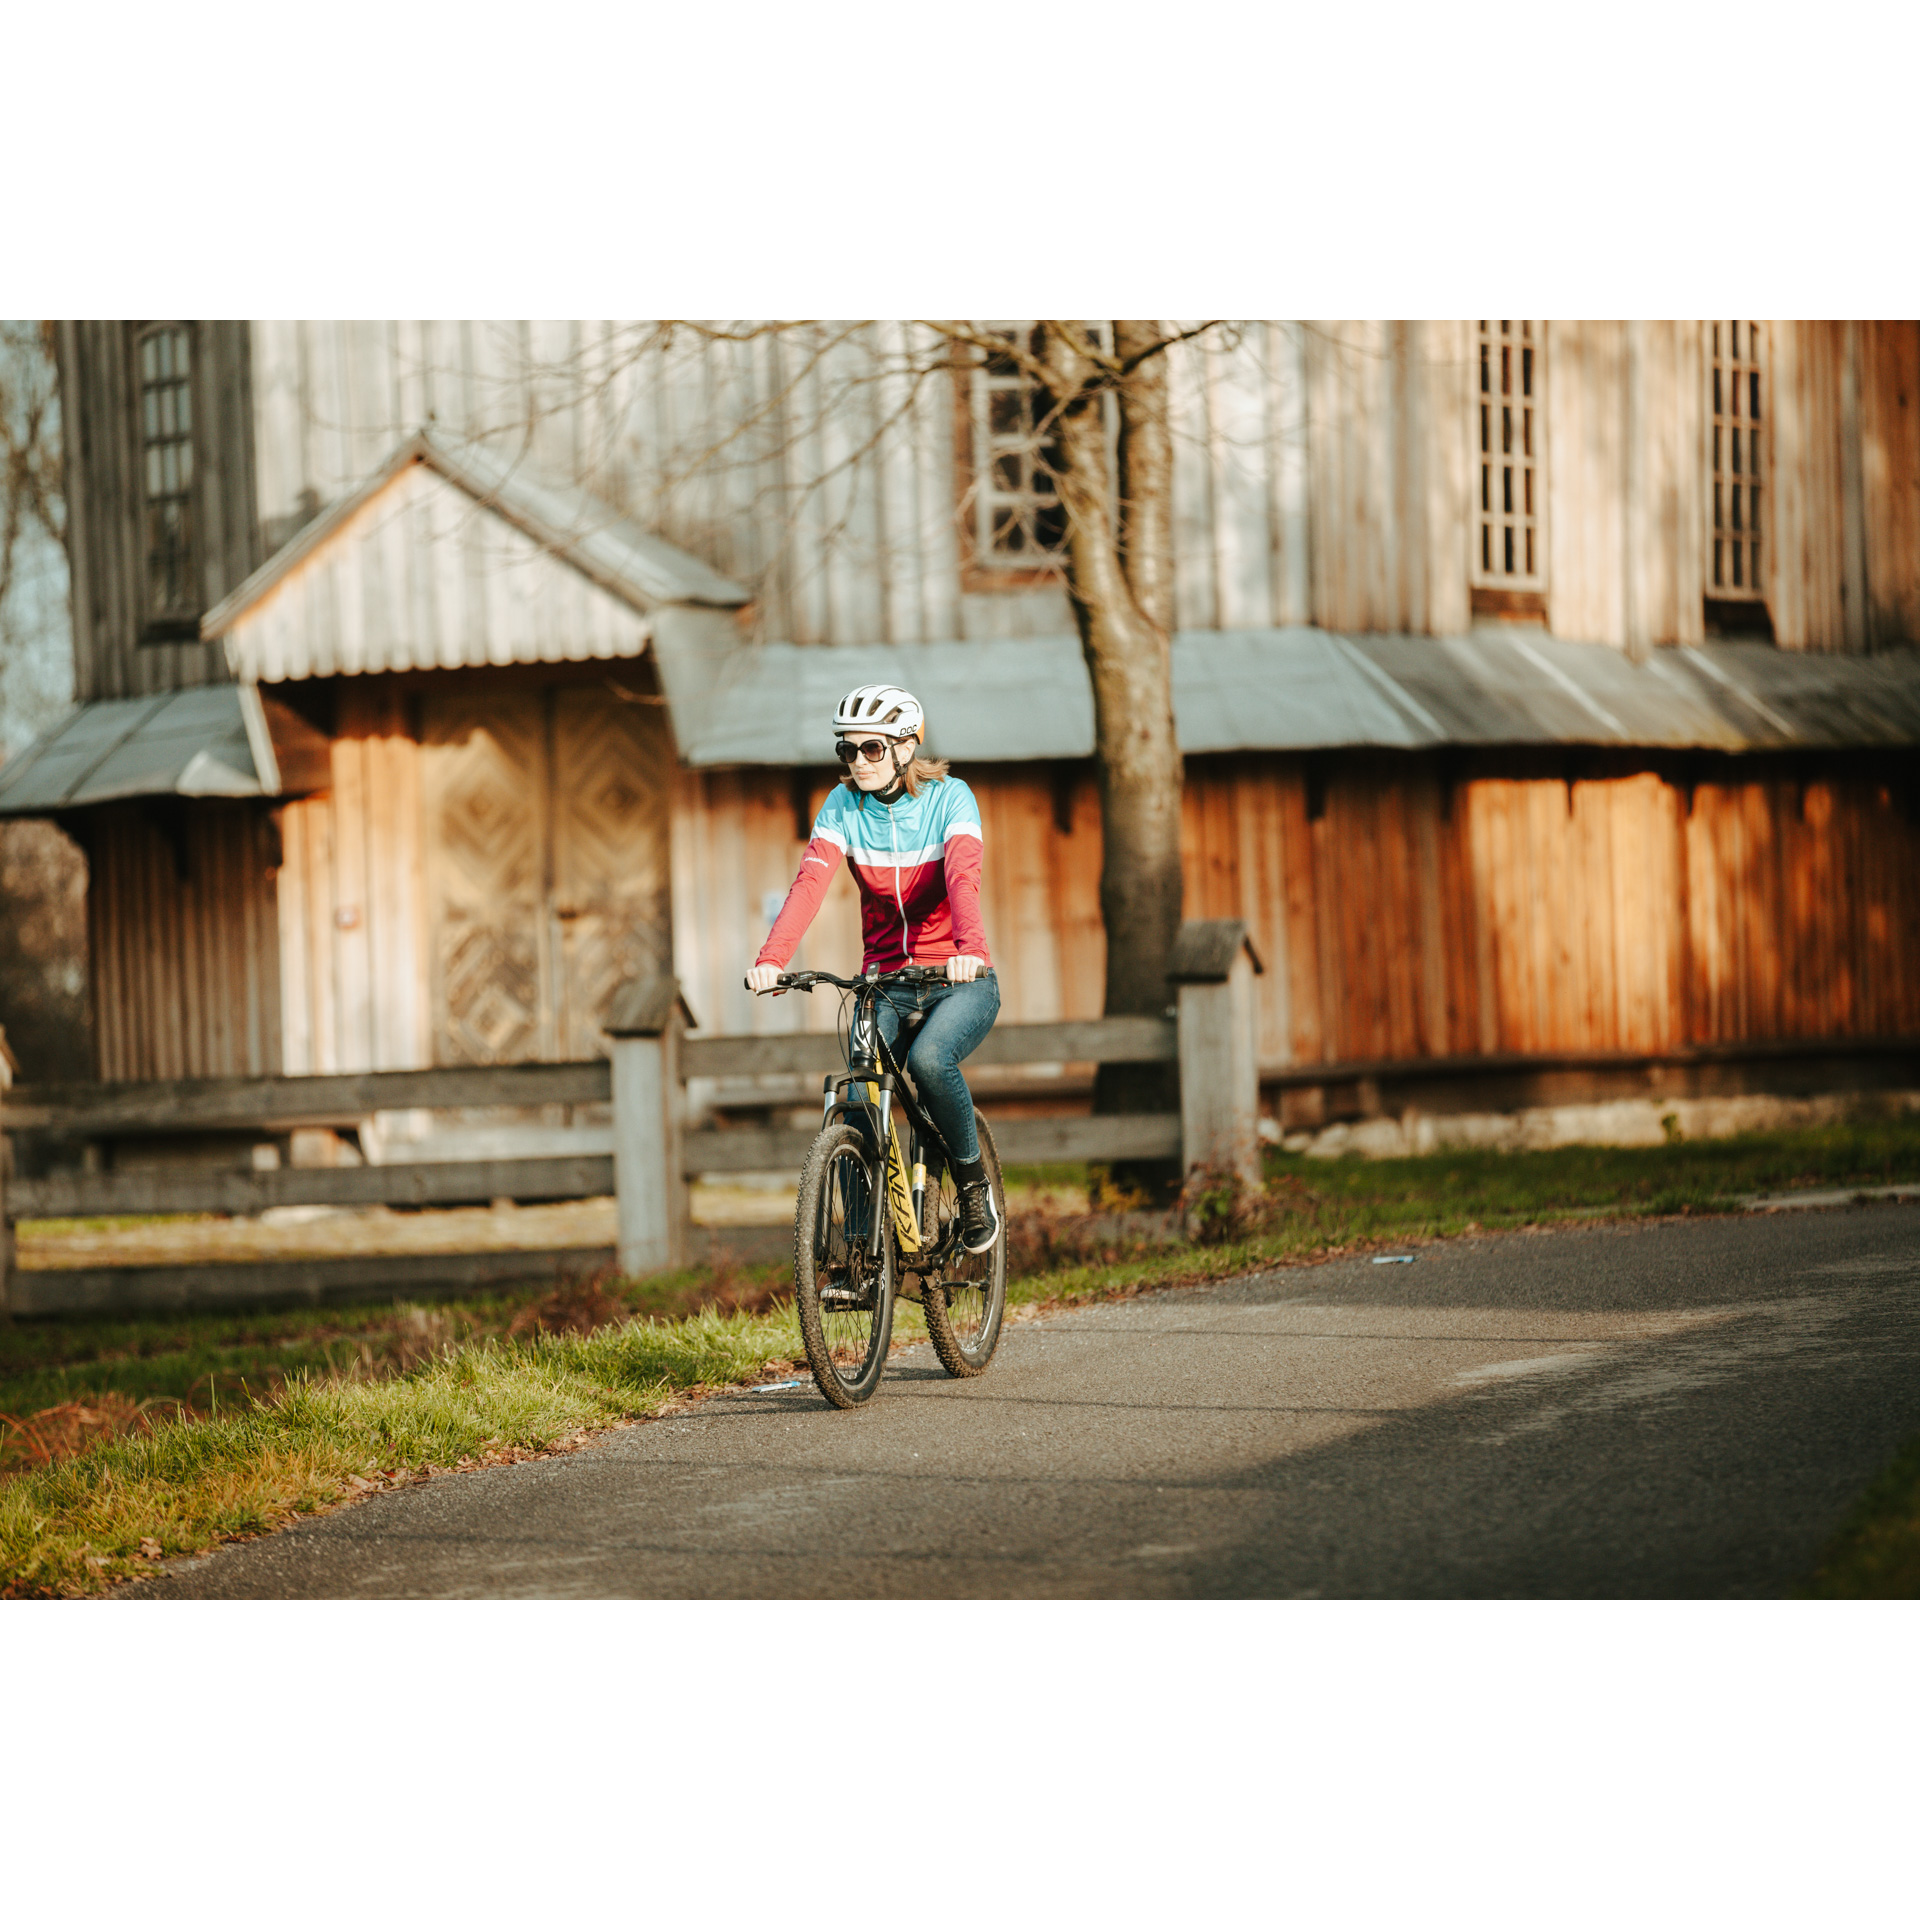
(979,1217)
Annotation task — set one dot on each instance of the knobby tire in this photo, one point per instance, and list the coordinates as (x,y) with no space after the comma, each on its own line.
(966,1299)
(844,1297)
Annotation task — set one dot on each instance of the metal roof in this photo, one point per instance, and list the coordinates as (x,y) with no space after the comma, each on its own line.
(202,742)
(985,700)
(1298,688)
(456,556)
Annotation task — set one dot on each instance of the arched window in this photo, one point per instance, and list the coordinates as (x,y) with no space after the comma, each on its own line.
(164,366)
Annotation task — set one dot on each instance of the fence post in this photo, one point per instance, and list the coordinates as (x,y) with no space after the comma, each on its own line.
(645,1023)
(1213,967)
(6,1168)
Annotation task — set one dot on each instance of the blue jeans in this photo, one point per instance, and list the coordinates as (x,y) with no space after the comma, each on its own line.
(960,1019)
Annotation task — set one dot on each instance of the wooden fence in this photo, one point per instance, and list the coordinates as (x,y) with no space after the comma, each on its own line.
(654,1157)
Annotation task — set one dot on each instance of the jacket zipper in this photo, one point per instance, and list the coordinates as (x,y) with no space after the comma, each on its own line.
(893,829)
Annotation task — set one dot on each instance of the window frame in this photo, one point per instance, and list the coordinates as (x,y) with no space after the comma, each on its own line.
(1492,590)
(159,626)
(980,571)
(1745,608)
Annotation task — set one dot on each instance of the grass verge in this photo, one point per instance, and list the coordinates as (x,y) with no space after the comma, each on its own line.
(218,1427)
(1876,1553)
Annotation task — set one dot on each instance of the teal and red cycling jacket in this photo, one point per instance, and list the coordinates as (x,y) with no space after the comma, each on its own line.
(917,863)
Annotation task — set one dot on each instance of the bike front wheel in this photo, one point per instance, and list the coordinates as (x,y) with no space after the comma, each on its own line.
(843,1292)
(966,1295)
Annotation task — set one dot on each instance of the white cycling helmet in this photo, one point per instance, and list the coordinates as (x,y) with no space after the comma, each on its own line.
(882,709)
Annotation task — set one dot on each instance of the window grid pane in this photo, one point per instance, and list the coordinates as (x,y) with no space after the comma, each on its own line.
(1509,375)
(1018,520)
(166,419)
(1737,381)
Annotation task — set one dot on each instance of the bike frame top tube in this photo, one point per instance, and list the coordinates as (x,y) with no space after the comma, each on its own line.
(866,990)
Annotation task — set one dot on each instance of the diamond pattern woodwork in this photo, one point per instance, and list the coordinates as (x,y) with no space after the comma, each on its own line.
(548,831)
(611,785)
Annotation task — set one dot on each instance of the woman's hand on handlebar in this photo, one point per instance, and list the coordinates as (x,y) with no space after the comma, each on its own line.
(962,967)
(763,979)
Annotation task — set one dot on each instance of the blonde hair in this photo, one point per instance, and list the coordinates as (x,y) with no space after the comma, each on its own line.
(917,772)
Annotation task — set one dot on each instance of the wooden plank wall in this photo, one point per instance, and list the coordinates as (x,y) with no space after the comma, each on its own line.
(183,940)
(1399,917)
(1322,469)
(1322,472)
(105,538)
(354,904)
(1807,584)
(1890,476)
(1545,916)
(1388,480)
(833,492)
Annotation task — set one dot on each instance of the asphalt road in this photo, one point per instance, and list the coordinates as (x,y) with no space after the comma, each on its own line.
(1674,1410)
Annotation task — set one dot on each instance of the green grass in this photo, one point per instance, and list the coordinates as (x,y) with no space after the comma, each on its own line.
(311,1401)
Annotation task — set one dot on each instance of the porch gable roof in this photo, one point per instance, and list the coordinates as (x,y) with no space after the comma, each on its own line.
(455,556)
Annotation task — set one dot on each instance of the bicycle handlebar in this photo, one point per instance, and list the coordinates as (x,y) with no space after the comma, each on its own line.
(907,976)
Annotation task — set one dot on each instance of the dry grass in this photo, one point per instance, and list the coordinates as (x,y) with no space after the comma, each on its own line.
(58,1432)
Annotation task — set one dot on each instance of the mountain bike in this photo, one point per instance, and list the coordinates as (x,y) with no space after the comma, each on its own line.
(873,1221)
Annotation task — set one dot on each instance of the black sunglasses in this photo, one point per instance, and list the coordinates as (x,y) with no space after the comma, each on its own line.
(872,749)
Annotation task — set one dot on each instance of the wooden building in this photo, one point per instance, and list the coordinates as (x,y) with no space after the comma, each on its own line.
(1549,689)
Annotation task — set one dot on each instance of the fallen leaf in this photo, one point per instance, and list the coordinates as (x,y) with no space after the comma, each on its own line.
(359,1485)
(149,1548)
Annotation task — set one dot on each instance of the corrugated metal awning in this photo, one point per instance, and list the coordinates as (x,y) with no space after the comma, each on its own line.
(457,557)
(1299,689)
(203,743)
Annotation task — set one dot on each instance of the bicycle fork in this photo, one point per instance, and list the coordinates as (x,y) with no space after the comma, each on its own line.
(901,1200)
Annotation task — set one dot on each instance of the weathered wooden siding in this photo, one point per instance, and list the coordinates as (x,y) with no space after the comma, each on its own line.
(1548,916)
(1389,487)
(1807,583)
(183,941)
(353,902)
(786,464)
(1398,916)
(1890,478)
(104,539)
(1322,469)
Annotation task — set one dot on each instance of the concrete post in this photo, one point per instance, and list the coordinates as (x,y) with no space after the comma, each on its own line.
(6,1168)
(1214,963)
(645,1024)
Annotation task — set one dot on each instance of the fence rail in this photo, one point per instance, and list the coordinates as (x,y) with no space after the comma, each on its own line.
(338,1099)
(654,1155)
(428,1183)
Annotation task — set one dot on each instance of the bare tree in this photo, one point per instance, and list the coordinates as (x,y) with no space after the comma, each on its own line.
(43,876)
(1109,445)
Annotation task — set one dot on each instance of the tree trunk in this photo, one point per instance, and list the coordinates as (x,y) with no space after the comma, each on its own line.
(1125,636)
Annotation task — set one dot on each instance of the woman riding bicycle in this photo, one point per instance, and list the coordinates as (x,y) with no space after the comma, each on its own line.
(911,831)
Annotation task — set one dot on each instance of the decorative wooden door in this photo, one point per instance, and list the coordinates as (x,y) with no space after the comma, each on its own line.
(612,785)
(547,868)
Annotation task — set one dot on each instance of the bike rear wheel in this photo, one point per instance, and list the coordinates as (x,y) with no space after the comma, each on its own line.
(966,1296)
(844,1294)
